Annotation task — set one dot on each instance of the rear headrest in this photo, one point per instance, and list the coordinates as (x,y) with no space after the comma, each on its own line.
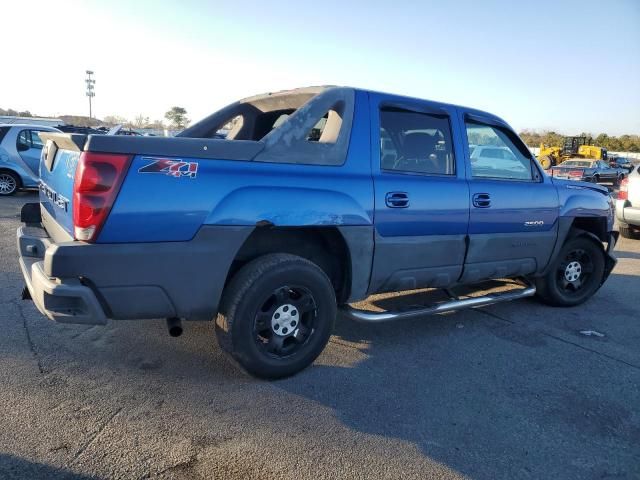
(418,145)
(331,128)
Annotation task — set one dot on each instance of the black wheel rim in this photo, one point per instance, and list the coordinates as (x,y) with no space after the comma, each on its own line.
(575,272)
(285,321)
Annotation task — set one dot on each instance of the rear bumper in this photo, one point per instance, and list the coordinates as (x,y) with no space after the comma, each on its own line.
(66,301)
(625,213)
(75,282)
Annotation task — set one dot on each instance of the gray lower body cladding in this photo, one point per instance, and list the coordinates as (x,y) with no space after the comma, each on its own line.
(76,282)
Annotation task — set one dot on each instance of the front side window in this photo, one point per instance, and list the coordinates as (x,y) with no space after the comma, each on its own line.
(494,155)
(415,142)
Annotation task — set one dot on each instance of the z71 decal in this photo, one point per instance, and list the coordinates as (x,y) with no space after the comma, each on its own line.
(173,168)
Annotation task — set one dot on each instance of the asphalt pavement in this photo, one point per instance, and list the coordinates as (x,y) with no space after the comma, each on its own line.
(508,391)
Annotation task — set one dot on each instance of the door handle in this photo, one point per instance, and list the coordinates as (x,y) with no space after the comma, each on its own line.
(396,199)
(481,200)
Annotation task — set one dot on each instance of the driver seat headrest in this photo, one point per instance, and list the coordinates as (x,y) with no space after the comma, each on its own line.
(419,145)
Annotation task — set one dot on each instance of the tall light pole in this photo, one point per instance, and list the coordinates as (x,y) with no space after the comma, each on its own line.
(90,92)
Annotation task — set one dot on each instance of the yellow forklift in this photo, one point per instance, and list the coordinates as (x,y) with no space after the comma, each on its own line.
(573,147)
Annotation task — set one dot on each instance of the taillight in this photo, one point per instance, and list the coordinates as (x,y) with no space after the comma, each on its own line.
(623,192)
(95,188)
(575,173)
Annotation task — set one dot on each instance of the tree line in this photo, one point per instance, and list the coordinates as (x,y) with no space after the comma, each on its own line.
(10,112)
(176,116)
(623,143)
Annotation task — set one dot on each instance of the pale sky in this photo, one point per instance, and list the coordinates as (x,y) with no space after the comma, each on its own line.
(569,66)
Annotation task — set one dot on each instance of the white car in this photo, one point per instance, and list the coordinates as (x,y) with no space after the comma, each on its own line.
(628,205)
(20,149)
(487,160)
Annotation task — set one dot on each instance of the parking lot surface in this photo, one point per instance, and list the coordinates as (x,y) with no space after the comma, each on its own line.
(508,391)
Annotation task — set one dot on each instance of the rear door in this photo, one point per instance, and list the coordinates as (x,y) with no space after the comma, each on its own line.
(421,195)
(29,147)
(514,207)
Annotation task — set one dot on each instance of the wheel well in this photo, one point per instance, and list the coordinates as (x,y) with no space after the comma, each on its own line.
(14,173)
(595,225)
(324,246)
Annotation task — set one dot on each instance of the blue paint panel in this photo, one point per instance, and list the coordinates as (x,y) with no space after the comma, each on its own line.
(156,207)
(585,200)
(513,204)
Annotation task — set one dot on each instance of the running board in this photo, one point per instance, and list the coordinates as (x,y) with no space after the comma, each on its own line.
(450,306)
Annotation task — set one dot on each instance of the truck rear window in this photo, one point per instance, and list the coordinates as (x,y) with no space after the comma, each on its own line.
(307,126)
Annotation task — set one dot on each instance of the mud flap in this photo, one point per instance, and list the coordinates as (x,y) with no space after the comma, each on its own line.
(26,294)
(610,259)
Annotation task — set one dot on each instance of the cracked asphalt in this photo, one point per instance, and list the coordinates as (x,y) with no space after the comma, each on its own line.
(508,391)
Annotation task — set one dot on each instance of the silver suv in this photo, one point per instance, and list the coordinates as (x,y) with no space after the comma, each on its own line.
(628,205)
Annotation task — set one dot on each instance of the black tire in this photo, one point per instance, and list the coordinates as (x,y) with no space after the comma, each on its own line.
(627,231)
(9,183)
(596,178)
(556,289)
(547,162)
(616,182)
(248,321)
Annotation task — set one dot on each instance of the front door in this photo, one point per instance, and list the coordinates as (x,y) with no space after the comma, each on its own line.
(513,206)
(421,195)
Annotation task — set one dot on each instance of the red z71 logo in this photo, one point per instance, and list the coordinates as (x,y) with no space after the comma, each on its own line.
(173,168)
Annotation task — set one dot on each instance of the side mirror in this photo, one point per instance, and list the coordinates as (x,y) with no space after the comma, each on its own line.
(22,147)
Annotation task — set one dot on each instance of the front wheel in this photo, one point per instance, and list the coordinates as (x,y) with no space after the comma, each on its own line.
(576,275)
(627,231)
(276,315)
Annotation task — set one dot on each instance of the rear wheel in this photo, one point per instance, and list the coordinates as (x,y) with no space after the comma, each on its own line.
(616,182)
(9,183)
(276,315)
(627,231)
(596,178)
(576,274)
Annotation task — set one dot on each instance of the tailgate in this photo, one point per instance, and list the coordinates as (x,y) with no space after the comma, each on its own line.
(57,171)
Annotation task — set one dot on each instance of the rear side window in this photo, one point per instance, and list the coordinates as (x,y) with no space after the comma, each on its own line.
(495,155)
(30,139)
(24,138)
(415,142)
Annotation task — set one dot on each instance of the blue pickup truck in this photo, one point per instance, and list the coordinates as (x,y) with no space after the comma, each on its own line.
(273,213)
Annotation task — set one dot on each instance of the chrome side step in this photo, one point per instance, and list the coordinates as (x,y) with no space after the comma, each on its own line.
(451,306)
